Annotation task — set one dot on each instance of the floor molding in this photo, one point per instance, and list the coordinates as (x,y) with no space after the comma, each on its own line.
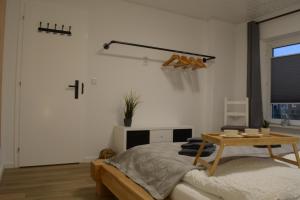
(8,165)
(88,159)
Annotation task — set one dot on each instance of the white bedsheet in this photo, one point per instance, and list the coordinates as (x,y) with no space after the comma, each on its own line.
(249,179)
(184,191)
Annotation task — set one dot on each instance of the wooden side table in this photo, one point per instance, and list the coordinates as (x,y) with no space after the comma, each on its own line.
(273,138)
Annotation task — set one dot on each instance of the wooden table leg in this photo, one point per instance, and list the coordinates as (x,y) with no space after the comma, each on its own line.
(200,150)
(212,169)
(270,151)
(296,154)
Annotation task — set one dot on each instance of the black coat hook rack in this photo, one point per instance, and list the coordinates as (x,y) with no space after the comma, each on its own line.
(205,57)
(55,30)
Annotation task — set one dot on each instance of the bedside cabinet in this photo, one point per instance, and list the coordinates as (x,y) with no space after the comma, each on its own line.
(127,137)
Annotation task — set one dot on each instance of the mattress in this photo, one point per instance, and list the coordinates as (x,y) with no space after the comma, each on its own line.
(266,180)
(184,191)
(188,191)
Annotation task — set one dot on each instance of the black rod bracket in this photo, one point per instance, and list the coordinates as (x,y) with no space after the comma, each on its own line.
(205,57)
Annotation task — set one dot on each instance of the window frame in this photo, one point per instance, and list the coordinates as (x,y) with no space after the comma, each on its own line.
(270,45)
(274,120)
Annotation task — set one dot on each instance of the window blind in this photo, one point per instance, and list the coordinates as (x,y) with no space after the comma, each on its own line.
(285,79)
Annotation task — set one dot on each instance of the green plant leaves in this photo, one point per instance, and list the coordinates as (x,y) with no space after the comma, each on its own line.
(131,102)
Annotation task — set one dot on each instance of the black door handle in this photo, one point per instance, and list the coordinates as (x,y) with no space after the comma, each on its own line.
(82,88)
(76,87)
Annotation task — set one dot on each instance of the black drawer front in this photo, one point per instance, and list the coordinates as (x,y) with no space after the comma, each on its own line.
(181,135)
(135,138)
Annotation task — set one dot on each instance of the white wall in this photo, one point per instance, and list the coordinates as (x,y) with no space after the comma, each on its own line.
(280,27)
(240,86)
(169,97)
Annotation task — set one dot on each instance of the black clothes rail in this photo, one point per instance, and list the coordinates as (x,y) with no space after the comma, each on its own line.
(205,57)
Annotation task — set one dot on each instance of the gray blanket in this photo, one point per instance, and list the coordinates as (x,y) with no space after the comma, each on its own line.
(156,167)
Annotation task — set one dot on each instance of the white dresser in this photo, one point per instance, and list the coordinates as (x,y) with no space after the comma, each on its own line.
(126,137)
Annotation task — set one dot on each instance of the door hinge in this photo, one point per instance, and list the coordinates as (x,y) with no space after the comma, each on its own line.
(18,150)
(20,83)
(23,17)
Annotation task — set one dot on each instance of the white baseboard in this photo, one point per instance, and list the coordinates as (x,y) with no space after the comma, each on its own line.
(89,159)
(9,165)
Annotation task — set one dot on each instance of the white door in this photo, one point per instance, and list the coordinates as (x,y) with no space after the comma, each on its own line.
(50,115)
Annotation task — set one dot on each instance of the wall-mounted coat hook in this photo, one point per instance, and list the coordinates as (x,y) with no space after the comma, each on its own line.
(54,30)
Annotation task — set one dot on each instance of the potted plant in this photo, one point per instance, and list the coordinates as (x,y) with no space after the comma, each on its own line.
(265,127)
(131,102)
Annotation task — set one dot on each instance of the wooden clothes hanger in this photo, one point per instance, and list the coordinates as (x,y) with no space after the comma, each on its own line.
(202,64)
(185,62)
(182,62)
(197,64)
(194,63)
(171,59)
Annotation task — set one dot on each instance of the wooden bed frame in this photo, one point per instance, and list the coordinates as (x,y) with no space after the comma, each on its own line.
(112,182)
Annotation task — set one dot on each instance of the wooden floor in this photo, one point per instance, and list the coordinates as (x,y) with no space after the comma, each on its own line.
(52,182)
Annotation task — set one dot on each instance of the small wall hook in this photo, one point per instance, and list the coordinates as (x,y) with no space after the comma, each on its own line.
(39,29)
(48,27)
(62,29)
(55,25)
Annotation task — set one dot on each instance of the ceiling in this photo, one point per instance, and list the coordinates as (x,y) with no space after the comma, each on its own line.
(235,11)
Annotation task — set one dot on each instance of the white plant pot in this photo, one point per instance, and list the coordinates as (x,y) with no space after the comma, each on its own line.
(265,131)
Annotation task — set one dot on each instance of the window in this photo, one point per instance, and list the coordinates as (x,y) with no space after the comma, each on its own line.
(286,50)
(292,111)
(285,79)
(285,83)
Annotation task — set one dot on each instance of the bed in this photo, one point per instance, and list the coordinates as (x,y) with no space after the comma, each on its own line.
(107,176)
(190,188)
